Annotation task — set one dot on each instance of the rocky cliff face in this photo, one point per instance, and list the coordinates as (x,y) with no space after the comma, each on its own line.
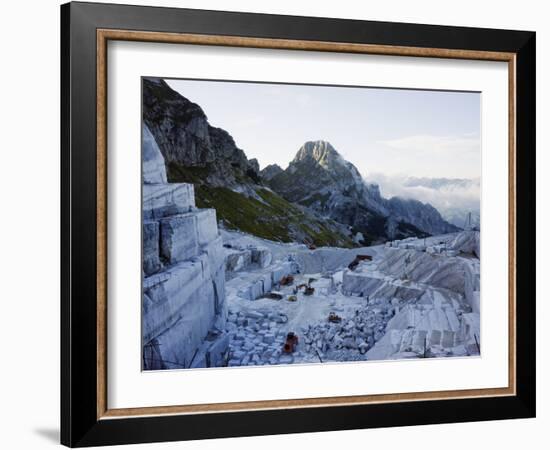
(319,178)
(421,215)
(223,177)
(186,139)
(268,172)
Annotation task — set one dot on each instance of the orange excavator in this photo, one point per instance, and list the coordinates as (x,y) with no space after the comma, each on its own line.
(291,342)
(286,280)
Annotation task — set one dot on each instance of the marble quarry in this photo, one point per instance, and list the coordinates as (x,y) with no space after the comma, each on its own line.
(216,297)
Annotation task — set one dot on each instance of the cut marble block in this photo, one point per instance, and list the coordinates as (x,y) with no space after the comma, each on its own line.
(472,285)
(257,288)
(215,252)
(448,339)
(474,301)
(371,284)
(154,169)
(151,260)
(470,328)
(237,260)
(435,337)
(207,225)
(179,238)
(280,270)
(255,284)
(180,300)
(182,235)
(261,256)
(212,353)
(466,242)
(162,200)
(447,273)
(419,341)
(452,318)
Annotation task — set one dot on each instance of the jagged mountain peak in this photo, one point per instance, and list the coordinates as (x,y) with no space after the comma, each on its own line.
(320,152)
(321,179)
(270,171)
(321,160)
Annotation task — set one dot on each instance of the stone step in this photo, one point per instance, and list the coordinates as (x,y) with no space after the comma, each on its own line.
(173,294)
(374,284)
(154,169)
(413,340)
(255,284)
(182,236)
(151,250)
(185,293)
(246,259)
(162,200)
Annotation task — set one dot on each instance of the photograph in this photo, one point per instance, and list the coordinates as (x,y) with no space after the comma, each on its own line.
(308,224)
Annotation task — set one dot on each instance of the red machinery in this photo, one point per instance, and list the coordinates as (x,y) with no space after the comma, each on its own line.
(290,343)
(357,260)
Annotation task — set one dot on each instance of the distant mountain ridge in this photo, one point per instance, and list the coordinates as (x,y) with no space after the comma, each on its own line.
(456,199)
(321,179)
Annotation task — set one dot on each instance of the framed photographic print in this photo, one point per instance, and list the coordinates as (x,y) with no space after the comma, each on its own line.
(277,224)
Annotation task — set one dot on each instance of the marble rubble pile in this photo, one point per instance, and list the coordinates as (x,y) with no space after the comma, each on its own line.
(351,337)
(257,338)
(184,308)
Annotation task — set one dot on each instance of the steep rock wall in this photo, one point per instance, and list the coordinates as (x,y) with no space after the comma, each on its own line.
(183,309)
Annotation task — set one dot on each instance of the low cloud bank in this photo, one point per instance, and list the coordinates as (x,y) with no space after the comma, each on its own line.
(454,198)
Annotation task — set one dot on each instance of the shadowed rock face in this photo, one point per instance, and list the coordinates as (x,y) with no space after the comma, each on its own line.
(184,136)
(270,171)
(223,178)
(318,177)
(422,215)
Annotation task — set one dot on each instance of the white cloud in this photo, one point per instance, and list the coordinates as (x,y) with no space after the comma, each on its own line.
(445,195)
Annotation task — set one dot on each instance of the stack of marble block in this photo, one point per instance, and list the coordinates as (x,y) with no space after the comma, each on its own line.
(184,309)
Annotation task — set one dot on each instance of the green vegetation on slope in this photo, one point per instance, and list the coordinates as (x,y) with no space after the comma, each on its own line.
(271,218)
(177,173)
(317,197)
(274,218)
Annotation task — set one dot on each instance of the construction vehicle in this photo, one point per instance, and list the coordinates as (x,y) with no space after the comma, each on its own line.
(309,290)
(286,280)
(291,342)
(357,260)
(310,244)
(274,295)
(334,318)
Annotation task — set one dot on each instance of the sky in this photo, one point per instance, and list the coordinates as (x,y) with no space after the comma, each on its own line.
(389,132)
